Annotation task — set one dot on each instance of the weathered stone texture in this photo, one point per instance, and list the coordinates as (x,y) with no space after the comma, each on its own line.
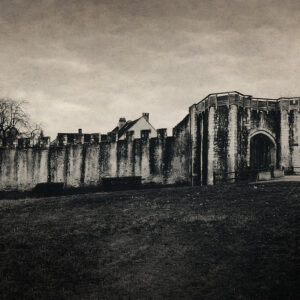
(243,130)
(57,164)
(211,162)
(22,168)
(284,139)
(212,143)
(74,165)
(296,142)
(122,158)
(232,141)
(194,144)
(92,166)
(221,142)
(177,154)
(156,153)
(145,158)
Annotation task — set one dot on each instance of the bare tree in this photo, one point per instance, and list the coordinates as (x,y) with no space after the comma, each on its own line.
(15,122)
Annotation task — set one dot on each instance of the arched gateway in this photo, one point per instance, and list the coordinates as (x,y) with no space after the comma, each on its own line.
(262,150)
(221,138)
(232,134)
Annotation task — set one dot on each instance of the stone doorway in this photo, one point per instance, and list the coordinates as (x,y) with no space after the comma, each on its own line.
(262,152)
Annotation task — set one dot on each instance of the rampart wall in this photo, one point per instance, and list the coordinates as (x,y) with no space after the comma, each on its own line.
(213,142)
(161,160)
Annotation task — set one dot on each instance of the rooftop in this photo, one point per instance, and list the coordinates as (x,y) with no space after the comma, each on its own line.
(248,96)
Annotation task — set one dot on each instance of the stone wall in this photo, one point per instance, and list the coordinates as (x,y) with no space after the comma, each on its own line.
(296,143)
(211,144)
(160,160)
(22,169)
(290,140)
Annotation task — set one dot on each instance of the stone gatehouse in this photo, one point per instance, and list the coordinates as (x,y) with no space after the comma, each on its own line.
(221,136)
(231,132)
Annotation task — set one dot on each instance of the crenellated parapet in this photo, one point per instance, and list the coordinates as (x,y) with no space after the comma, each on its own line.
(145,134)
(26,143)
(162,133)
(64,139)
(44,142)
(79,138)
(130,136)
(247,101)
(222,135)
(289,104)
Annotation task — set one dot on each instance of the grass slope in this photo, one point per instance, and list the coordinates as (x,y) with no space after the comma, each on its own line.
(222,242)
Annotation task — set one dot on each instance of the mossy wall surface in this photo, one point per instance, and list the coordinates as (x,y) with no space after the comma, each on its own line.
(212,140)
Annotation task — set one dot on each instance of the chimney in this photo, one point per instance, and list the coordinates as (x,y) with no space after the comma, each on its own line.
(146,116)
(122,122)
(80,131)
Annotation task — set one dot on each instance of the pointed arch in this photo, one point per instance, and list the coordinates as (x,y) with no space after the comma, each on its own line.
(262,149)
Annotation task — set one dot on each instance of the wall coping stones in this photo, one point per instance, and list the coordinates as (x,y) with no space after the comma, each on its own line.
(247,101)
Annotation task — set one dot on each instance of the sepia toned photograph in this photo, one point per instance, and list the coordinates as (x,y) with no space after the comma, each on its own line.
(149,149)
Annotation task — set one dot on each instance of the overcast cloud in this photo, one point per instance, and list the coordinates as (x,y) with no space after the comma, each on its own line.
(84,64)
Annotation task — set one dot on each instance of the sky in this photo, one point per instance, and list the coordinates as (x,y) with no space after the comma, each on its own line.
(86,63)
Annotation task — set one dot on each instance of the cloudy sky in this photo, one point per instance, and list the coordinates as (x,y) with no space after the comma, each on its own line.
(84,63)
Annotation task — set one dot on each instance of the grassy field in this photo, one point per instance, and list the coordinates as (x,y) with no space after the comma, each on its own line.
(222,242)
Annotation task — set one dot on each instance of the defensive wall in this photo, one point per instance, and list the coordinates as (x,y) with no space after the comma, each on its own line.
(157,160)
(223,134)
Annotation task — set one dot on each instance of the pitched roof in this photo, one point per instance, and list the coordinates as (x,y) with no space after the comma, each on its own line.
(126,127)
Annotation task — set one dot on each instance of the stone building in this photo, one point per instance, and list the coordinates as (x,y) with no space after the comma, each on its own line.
(231,132)
(223,136)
